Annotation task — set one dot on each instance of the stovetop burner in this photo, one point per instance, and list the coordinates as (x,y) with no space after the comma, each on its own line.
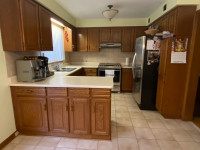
(110,65)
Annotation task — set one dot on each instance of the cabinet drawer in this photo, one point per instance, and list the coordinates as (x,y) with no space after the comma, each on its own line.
(78,92)
(29,91)
(90,71)
(54,91)
(103,93)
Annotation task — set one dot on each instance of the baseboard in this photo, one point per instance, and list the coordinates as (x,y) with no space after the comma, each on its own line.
(7,141)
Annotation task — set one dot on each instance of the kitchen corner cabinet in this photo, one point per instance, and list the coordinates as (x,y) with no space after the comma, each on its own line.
(127,80)
(82,39)
(110,35)
(25,27)
(70,112)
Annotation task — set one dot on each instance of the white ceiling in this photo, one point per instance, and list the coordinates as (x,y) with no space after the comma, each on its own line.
(92,9)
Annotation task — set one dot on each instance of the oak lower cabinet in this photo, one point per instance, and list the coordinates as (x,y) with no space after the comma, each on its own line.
(60,111)
(31,114)
(58,114)
(127,80)
(79,115)
(100,116)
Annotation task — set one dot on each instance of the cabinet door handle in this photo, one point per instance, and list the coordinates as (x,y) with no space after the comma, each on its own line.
(67,107)
(45,107)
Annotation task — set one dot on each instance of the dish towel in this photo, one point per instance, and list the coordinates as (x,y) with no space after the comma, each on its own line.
(109,73)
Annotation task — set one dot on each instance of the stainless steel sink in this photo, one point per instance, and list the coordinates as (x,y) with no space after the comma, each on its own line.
(66,70)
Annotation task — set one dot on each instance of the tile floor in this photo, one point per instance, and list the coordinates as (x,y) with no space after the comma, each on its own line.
(132,129)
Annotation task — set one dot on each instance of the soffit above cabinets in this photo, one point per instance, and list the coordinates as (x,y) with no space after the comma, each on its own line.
(92,9)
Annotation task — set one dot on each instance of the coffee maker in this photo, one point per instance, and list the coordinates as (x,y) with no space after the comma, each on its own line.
(33,69)
(29,70)
(45,67)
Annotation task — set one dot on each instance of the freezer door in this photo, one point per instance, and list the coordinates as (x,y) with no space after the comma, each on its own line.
(137,68)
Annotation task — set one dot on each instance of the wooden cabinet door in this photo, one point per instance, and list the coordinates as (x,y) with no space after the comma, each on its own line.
(127,80)
(172,21)
(161,74)
(139,31)
(128,41)
(82,40)
(101,110)
(105,35)
(45,29)
(58,114)
(164,25)
(31,113)
(116,35)
(30,25)
(80,115)
(93,39)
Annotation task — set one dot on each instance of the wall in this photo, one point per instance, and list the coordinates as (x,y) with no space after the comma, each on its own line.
(111,55)
(7,123)
(58,10)
(113,22)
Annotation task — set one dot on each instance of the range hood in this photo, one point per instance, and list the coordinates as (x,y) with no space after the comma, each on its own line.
(110,45)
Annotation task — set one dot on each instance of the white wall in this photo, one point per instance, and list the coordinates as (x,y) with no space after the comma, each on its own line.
(7,123)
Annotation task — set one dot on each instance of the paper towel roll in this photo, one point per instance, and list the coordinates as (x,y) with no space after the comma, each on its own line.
(127,61)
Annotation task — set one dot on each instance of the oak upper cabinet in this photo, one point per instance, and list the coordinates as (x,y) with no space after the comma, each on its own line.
(79,110)
(110,35)
(116,35)
(139,31)
(104,35)
(93,39)
(30,24)
(127,80)
(25,27)
(128,42)
(45,29)
(58,114)
(172,21)
(100,116)
(82,39)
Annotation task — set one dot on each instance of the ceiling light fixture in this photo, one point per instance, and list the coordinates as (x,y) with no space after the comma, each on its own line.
(110,13)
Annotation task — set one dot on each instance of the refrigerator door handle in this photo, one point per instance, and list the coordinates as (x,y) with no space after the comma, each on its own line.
(133,66)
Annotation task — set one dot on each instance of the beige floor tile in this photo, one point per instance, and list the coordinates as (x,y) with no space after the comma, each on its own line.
(156,123)
(108,145)
(122,114)
(68,143)
(194,134)
(50,141)
(10,146)
(140,123)
(152,114)
(125,132)
(120,103)
(168,145)
(189,145)
(136,115)
(186,125)
(134,109)
(24,147)
(124,122)
(128,144)
(148,144)
(64,148)
(114,134)
(31,140)
(44,148)
(18,139)
(162,134)
(120,108)
(171,124)
(181,135)
(144,133)
(87,144)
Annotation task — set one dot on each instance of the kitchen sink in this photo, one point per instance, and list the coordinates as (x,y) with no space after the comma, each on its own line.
(66,70)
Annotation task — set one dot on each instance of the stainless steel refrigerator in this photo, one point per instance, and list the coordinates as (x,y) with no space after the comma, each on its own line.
(145,71)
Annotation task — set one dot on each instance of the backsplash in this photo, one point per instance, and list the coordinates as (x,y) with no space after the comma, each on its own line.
(107,55)
(11,57)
